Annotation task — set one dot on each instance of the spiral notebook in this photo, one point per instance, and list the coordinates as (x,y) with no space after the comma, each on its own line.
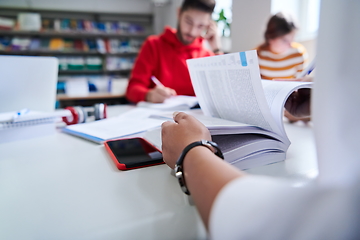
(31,125)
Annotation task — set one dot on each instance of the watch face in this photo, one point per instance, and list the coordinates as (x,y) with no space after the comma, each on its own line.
(215,147)
(178,171)
(179,175)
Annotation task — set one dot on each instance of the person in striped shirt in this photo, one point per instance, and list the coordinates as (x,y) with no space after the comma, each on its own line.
(279,56)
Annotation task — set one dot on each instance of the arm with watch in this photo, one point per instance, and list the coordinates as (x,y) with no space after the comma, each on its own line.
(203,173)
(187,147)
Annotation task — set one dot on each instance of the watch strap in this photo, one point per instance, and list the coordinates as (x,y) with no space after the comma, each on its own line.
(179,169)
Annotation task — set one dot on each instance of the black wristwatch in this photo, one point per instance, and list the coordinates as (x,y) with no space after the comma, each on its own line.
(179,163)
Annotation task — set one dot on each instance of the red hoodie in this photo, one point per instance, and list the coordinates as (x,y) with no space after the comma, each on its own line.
(165,58)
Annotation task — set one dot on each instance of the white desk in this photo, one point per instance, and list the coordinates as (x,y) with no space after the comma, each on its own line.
(63,187)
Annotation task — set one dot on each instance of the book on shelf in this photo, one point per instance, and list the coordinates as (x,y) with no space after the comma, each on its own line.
(243,113)
(5,43)
(34,22)
(56,44)
(35,44)
(69,45)
(6,23)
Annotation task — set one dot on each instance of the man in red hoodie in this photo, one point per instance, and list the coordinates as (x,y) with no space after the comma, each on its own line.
(164,56)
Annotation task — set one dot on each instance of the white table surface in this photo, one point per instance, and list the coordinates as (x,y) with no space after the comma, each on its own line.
(64,187)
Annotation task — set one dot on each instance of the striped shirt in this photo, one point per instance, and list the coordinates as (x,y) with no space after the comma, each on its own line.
(283,65)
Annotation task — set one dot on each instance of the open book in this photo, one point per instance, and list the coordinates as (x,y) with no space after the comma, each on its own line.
(243,113)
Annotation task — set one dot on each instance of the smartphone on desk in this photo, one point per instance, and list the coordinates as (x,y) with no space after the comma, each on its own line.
(132,153)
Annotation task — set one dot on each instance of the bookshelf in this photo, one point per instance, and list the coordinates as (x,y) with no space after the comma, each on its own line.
(87,44)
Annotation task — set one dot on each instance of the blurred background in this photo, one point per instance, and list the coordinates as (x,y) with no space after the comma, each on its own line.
(97,42)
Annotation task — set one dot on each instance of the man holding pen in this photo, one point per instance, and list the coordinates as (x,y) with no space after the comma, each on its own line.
(160,70)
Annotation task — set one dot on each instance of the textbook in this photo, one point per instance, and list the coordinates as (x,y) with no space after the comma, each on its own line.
(243,113)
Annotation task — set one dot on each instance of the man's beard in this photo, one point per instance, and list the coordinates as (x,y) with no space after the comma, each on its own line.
(179,35)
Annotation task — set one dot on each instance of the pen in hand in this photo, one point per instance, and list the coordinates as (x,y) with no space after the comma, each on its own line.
(159,84)
(156,81)
(159,93)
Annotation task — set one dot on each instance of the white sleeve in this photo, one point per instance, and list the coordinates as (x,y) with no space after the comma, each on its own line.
(255,207)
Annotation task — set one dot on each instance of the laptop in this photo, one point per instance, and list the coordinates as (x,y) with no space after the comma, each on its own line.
(28,82)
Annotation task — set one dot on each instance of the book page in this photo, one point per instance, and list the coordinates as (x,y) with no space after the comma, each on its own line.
(229,87)
(210,122)
(276,94)
(218,126)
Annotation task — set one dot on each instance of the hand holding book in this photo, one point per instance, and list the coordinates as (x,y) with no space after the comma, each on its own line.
(229,88)
(177,135)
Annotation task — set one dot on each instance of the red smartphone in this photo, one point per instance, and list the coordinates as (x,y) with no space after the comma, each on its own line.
(132,153)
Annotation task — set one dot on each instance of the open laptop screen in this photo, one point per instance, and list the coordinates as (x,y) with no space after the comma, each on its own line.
(28,82)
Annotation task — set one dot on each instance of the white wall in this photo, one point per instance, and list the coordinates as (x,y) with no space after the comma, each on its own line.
(166,15)
(248,24)
(310,46)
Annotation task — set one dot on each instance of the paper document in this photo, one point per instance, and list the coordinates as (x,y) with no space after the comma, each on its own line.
(173,103)
(132,122)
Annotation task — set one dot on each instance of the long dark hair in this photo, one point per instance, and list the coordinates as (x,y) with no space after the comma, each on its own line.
(279,25)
